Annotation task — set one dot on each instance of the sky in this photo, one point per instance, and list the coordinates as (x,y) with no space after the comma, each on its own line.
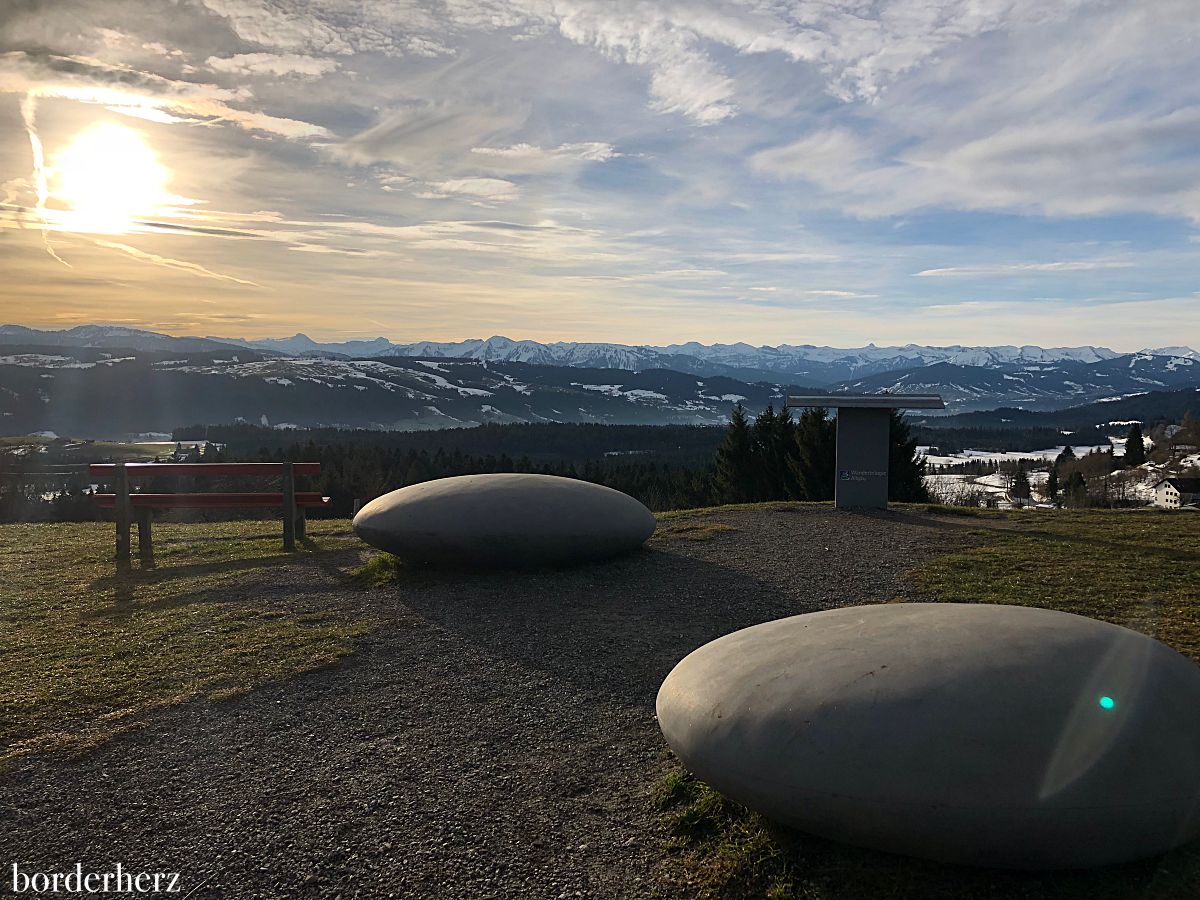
(641,171)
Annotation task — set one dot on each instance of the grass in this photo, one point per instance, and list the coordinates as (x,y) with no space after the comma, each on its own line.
(722,850)
(381,569)
(1140,569)
(86,651)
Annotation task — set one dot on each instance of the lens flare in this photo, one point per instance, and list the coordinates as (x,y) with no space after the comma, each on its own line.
(1107,702)
(108,177)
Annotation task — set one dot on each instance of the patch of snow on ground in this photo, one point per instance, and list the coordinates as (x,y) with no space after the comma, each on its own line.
(1048,454)
(43,361)
(518,387)
(438,412)
(613,390)
(439,381)
(639,394)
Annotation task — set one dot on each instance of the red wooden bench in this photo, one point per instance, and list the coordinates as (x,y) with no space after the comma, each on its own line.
(127,505)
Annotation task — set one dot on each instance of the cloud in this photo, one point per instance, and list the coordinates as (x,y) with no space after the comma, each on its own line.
(491,190)
(154,114)
(335,27)
(839,295)
(422,135)
(527,157)
(683,79)
(1080,265)
(824,157)
(1063,120)
(127,89)
(859,55)
(1152,321)
(169,263)
(278,64)
(823,294)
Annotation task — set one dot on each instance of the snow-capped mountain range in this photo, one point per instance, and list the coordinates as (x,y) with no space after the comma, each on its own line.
(65,380)
(71,391)
(814,364)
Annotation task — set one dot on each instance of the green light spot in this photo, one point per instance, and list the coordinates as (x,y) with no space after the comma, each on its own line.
(1107,702)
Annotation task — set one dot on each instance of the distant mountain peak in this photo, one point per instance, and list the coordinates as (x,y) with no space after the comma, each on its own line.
(1179,352)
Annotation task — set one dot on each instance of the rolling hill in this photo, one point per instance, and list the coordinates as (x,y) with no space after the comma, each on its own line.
(99,393)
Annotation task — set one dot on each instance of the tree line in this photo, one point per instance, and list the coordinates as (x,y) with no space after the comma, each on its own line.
(776,457)
(772,457)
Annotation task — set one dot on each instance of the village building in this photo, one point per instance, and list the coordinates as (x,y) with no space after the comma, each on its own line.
(1174,493)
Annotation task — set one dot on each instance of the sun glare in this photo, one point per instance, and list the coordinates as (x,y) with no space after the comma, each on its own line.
(107,178)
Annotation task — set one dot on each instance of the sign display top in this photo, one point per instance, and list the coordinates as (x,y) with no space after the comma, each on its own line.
(867,401)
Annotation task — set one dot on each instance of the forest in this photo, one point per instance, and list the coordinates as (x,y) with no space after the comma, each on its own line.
(773,456)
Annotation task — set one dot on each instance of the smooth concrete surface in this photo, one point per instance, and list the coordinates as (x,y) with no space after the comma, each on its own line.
(979,734)
(504,520)
(861,469)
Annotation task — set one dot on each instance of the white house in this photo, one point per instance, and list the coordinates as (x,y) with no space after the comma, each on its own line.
(1172,493)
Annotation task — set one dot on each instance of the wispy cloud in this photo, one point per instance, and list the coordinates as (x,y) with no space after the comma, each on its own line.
(1075,265)
(479,190)
(278,64)
(93,82)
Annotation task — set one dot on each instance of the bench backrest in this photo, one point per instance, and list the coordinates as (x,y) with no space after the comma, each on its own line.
(210,500)
(141,470)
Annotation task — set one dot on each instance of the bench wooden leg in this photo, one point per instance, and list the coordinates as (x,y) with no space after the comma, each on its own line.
(289,507)
(301,524)
(121,513)
(145,537)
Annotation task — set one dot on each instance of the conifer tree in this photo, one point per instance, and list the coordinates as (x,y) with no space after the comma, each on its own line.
(775,449)
(1021,489)
(1052,485)
(734,480)
(816,447)
(1076,490)
(906,467)
(762,471)
(1135,447)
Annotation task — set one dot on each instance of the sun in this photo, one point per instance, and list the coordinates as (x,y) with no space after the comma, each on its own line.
(108,177)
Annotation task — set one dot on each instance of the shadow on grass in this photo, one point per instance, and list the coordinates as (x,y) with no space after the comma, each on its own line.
(138,582)
(721,849)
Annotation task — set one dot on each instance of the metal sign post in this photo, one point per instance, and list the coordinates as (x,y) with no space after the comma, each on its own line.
(863,440)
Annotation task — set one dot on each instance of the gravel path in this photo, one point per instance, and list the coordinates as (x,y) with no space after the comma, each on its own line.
(493,737)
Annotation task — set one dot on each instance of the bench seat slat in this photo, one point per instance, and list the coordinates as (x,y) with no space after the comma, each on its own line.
(212,499)
(144,470)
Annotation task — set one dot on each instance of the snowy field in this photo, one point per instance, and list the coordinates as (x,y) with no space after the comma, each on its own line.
(1048,455)
(963,489)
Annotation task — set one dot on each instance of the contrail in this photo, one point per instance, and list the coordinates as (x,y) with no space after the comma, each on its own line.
(169,263)
(29,116)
